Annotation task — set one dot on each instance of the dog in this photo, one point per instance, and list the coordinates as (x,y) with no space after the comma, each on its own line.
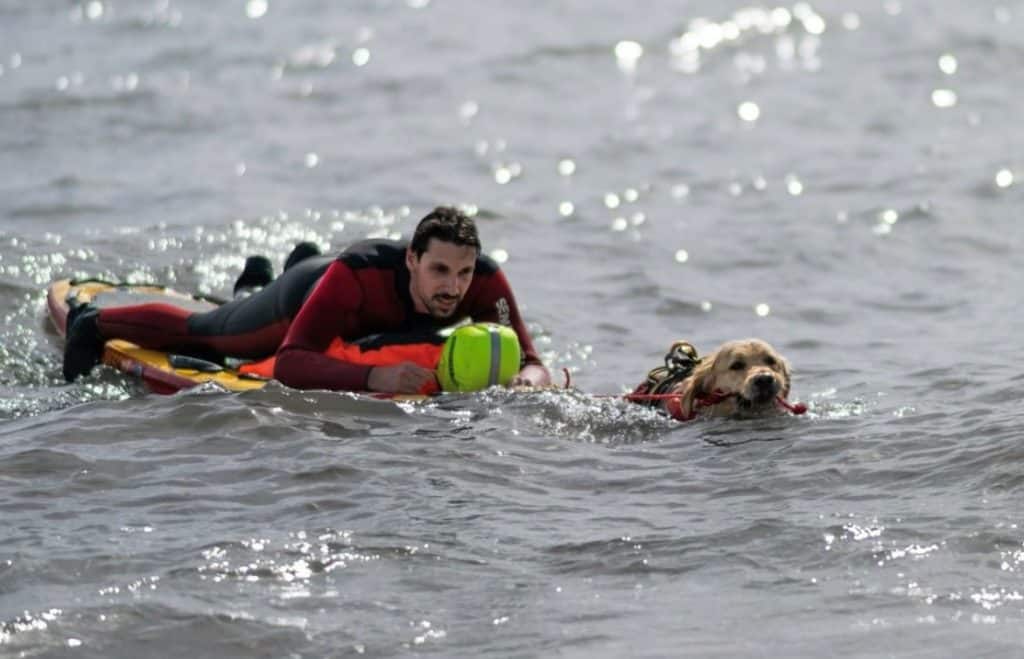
(747,377)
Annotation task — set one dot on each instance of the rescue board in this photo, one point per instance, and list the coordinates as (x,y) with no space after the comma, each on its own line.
(161,372)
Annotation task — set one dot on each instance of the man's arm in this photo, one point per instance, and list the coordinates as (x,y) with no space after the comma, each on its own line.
(498,304)
(532,375)
(326,313)
(332,310)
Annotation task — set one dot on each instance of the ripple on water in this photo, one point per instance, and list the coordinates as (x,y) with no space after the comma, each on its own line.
(751,160)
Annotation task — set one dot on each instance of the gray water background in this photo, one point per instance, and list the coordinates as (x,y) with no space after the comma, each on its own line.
(862,215)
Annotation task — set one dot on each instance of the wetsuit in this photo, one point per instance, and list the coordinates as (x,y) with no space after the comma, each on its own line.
(362,292)
(249,327)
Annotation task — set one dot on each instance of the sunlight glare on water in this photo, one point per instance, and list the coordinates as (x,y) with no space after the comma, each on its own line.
(838,179)
(628,54)
(256,8)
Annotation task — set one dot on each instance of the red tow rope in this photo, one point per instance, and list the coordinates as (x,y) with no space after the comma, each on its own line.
(675,406)
(795,408)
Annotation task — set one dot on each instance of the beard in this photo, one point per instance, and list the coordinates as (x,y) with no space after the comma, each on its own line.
(442,306)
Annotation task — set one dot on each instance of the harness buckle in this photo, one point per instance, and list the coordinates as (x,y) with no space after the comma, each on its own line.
(680,360)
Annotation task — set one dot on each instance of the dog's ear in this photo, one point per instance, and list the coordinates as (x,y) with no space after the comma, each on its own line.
(700,383)
(786,377)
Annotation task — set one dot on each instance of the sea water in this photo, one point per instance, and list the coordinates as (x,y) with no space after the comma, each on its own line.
(840,179)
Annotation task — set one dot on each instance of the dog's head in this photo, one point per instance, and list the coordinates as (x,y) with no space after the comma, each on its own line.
(750,371)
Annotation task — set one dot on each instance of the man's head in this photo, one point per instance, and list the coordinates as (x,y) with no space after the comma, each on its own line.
(441,259)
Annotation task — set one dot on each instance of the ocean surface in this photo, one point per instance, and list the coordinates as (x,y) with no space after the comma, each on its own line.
(842,179)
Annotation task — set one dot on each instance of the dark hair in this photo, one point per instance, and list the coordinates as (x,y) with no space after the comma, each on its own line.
(447,224)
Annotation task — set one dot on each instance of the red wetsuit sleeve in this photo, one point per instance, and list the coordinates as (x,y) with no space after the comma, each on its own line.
(497,304)
(330,311)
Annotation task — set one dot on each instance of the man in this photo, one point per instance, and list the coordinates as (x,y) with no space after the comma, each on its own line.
(373,287)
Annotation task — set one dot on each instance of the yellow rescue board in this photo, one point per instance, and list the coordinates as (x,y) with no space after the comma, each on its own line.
(162,372)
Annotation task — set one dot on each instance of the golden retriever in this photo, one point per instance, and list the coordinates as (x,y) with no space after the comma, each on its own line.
(746,377)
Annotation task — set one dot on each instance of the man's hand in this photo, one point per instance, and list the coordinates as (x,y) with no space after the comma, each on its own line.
(532,375)
(404,378)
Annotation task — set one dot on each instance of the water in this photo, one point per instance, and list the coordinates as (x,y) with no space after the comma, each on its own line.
(841,179)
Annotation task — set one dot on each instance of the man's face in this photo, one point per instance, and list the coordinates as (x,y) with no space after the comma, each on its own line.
(440,277)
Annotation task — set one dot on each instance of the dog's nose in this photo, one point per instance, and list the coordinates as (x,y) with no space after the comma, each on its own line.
(764,382)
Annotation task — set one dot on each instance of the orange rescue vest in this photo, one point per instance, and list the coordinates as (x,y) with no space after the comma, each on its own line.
(424,353)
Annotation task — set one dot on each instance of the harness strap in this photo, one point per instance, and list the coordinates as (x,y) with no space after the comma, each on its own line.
(680,360)
(674,403)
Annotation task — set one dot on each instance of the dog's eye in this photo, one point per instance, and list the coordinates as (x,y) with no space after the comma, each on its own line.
(769,361)
(737,366)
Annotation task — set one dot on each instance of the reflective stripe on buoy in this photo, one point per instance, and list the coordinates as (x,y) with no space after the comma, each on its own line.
(495,373)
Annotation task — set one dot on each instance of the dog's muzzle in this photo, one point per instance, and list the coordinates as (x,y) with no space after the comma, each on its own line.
(762,389)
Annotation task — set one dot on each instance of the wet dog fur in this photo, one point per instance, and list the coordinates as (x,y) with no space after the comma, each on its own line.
(750,371)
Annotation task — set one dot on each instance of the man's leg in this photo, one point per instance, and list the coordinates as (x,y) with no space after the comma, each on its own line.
(257,273)
(301,252)
(83,345)
(250,327)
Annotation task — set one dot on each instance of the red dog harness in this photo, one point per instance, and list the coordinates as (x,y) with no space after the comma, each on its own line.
(674,404)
